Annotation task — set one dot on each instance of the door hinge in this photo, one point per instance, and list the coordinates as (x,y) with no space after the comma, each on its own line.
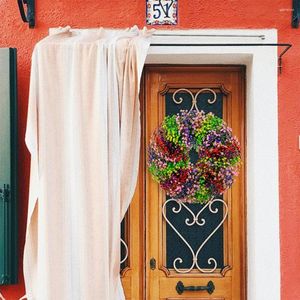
(5,193)
(152,263)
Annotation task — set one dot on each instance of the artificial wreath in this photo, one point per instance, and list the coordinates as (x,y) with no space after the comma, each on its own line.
(218,156)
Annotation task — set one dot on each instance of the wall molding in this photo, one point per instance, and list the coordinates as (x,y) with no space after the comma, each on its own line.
(263,257)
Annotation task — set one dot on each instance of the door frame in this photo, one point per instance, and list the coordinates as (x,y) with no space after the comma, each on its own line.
(262,184)
(229,81)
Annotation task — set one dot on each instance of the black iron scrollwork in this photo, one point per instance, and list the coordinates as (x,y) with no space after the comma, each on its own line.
(29,15)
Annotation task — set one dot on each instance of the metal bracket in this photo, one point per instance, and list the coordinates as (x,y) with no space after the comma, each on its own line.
(5,193)
(296,14)
(287,47)
(30,16)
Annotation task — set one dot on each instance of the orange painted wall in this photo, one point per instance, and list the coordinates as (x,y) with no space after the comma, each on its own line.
(192,14)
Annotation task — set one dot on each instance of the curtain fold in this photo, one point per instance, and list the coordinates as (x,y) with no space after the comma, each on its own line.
(83,134)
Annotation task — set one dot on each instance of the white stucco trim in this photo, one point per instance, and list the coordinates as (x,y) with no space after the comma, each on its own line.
(262,140)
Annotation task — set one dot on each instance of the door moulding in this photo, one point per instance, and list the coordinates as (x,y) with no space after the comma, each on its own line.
(263,248)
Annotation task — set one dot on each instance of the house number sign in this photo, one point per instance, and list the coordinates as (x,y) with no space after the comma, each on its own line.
(161,12)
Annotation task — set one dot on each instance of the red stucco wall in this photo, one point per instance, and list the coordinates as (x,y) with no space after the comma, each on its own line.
(192,14)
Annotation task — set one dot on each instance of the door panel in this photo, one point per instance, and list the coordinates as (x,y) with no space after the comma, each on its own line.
(8,167)
(187,249)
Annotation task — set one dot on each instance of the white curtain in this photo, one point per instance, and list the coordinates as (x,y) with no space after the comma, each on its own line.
(83,133)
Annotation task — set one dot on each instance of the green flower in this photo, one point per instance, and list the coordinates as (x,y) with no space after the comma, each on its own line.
(171,129)
(203,194)
(211,122)
(235,160)
(165,173)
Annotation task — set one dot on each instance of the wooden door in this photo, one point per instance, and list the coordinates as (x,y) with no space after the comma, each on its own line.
(163,240)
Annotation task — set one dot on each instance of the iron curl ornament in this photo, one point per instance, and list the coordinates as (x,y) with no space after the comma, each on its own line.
(218,153)
(194,219)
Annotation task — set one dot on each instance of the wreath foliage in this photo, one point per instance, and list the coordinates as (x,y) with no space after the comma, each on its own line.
(218,156)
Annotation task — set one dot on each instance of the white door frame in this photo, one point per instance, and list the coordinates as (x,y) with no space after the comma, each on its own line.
(263,257)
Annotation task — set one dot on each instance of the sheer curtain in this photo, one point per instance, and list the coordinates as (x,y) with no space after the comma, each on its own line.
(83,134)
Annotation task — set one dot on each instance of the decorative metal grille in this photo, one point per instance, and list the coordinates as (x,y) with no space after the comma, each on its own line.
(195,220)
(209,100)
(123,243)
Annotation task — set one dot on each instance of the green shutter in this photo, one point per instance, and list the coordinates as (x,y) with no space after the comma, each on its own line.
(8,166)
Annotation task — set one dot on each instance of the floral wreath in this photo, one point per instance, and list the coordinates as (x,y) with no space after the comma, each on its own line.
(218,160)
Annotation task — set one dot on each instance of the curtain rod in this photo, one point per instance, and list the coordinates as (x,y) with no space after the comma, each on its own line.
(286,45)
(261,36)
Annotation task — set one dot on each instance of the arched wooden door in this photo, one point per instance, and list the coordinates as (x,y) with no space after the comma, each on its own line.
(174,251)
